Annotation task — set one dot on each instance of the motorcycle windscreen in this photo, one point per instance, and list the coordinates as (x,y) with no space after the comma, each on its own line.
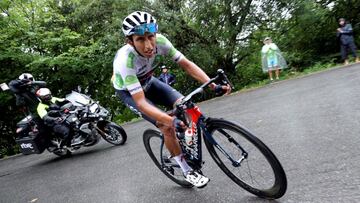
(4,86)
(78,99)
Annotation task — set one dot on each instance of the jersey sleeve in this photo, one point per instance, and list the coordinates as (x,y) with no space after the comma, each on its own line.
(167,49)
(124,77)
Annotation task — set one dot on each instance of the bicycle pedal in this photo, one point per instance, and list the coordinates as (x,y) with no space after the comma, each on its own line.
(166,160)
(169,170)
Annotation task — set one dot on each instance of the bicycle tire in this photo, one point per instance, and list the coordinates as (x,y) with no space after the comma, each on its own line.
(279,186)
(150,136)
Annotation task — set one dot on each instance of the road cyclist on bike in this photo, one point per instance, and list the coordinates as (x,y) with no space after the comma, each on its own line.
(138,89)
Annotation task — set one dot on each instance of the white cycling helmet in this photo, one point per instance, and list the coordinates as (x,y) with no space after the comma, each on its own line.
(44,94)
(26,76)
(139,22)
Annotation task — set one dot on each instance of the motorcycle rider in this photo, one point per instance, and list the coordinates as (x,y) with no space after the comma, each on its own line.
(25,95)
(49,110)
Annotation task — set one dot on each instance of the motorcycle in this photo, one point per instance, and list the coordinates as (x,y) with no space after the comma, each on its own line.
(84,116)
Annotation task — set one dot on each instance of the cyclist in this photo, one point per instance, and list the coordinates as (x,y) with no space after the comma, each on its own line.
(136,86)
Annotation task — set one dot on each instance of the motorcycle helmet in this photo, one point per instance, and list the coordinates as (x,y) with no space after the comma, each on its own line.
(26,77)
(44,94)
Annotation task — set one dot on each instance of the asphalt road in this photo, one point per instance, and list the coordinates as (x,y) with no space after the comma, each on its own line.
(312,124)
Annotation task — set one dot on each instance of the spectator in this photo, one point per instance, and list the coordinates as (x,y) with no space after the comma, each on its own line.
(271,58)
(167,77)
(345,34)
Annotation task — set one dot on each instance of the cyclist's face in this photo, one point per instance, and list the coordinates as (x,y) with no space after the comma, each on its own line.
(145,44)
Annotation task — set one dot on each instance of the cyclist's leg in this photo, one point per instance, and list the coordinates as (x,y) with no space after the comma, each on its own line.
(163,99)
(163,94)
(127,99)
(170,139)
(169,134)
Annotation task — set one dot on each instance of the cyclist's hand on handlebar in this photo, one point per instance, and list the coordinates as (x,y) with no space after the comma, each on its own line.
(179,125)
(221,89)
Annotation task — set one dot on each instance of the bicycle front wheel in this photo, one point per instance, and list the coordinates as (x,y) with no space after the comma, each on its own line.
(155,147)
(245,159)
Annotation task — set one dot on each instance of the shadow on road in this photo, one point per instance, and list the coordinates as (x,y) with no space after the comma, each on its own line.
(77,155)
(257,199)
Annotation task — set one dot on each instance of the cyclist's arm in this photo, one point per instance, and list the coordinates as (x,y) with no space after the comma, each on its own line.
(193,70)
(198,74)
(150,110)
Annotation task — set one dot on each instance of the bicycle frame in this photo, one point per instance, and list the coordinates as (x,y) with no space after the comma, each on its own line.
(202,129)
(215,132)
(201,123)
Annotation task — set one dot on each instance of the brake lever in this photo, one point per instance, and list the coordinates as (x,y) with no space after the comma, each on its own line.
(179,112)
(224,78)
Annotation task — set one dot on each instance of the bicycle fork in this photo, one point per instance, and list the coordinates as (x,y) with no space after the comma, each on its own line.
(235,163)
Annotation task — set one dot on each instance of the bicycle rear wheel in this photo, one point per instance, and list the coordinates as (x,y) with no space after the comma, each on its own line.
(155,147)
(253,166)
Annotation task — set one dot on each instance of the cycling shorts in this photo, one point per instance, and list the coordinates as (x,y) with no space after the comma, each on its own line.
(156,93)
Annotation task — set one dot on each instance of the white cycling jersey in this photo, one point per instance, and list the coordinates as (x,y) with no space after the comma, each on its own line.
(130,67)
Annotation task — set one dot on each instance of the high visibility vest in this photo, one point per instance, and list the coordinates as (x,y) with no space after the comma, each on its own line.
(42,108)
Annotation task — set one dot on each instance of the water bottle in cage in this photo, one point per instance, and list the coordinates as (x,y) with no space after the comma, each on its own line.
(189,136)
(191,132)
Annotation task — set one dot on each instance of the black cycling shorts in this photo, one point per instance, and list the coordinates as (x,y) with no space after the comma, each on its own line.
(156,92)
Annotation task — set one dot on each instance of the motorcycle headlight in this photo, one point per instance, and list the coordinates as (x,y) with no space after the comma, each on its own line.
(94,107)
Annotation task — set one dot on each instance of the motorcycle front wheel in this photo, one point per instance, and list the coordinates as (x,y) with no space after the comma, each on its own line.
(113,134)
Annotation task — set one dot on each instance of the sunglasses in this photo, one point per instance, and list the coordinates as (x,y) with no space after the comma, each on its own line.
(141,29)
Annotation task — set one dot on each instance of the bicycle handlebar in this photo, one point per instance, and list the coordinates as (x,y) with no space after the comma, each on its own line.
(184,103)
(220,76)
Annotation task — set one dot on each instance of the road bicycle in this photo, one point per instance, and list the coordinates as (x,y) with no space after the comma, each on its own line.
(243,157)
